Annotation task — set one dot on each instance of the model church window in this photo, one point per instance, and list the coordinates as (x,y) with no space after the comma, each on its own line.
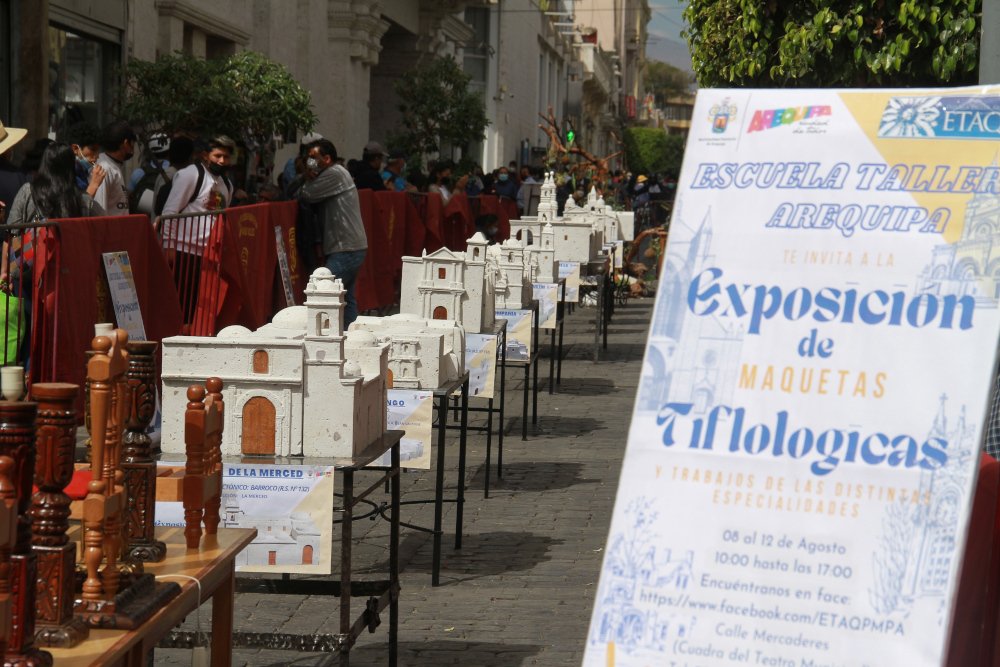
(475,253)
(323,324)
(260,361)
(442,273)
(440,313)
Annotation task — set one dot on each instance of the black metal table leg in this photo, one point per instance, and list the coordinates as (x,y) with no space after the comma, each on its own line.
(503,401)
(442,407)
(527,394)
(489,445)
(461,463)
(394,560)
(552,361)
(345,564)
(560,354)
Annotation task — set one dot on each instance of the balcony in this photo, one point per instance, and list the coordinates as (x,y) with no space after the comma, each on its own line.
(596,67)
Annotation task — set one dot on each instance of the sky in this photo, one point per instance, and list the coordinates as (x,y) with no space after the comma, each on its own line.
(665,42)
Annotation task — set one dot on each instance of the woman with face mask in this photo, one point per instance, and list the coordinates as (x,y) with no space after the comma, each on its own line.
(505,186)
(442,181)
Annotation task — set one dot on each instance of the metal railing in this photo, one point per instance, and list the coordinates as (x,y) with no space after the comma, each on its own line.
(192,244)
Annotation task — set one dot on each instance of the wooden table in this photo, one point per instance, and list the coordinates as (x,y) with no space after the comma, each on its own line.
(213,565)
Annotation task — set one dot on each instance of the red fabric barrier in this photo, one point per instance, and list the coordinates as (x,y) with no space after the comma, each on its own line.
(506,211)
(459,224)
(432,212)
(365,287)
(81,285)
(973,630)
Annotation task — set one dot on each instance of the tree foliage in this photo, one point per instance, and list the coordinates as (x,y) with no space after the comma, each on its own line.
(664,80)
(438,109)
(246,96)
(650,150)
(800,43)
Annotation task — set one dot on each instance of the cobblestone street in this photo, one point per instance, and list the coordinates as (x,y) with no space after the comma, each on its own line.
(520,590)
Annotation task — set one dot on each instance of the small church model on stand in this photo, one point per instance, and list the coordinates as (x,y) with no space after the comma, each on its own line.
(296,386)
(576,236)
(452,285)
(423,353)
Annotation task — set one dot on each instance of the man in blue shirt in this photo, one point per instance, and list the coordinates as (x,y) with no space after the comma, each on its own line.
(392,175)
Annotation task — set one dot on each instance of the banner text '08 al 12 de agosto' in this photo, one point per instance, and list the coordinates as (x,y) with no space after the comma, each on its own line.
(797,481)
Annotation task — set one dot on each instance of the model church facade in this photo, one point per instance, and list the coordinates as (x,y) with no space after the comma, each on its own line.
(451,285)
(423,353)
(296,386)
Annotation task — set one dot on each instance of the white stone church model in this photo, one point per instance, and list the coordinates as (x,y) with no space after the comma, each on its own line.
(452,285)
(423,353)
(296,386)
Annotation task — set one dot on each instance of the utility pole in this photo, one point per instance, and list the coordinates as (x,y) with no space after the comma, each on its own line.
(989,43)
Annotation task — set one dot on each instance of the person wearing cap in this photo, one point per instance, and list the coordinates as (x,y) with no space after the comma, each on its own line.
(119,147)
(369,174)
(156,159)
(11,178)
(392,175)
(330,191)
(641,197)
(290,172)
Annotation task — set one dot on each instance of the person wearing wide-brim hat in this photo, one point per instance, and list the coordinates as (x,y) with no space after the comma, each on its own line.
(11,178)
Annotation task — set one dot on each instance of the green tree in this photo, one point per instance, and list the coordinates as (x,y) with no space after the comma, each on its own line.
(438,109)
(650,150)
(800,43)
(664,80)
(246,96)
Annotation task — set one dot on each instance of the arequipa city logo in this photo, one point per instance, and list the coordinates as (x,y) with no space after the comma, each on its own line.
(951,117)
(721,115)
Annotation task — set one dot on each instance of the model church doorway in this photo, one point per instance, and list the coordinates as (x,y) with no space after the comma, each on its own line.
(258,426)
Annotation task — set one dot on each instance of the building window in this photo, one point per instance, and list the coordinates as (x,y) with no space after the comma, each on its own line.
(442,273)
(260,361)
(82,79)
(272,557)
(440,313)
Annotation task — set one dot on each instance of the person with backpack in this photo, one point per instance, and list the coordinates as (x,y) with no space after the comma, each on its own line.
(201,187)
(142,182)
(180,154)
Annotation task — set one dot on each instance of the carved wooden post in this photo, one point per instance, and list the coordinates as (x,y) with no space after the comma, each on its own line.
(99,389)
(213,452)
(55,443)
(8,538)
(138,464)
(194,467)
(17,440)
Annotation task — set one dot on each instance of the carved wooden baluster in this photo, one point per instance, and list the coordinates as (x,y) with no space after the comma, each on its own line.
(194,467)
(55,442)
(114,477)
(98,382)
(17,440)
(8,538)
(213,455)
(137,462)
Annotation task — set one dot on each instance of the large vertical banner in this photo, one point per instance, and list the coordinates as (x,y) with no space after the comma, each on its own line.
(796,486)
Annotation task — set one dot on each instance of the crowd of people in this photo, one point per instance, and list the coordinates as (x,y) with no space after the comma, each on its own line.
(86,175)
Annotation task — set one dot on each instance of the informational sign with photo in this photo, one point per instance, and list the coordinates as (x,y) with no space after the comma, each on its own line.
(283,267)
(797,482)
(519,323)
(291,506)
(121,283)
(547,296)
(570,271)
(481,362)
(411,411)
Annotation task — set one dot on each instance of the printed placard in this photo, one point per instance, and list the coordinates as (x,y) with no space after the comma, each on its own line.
(291,506)
(481,362)
(797,481)
(412,411)
(121,284)
(283,267)
(570,271)
(519,323)
(619,254)
(547,296)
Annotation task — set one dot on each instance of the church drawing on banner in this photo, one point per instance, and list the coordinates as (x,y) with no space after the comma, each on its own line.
(281,540)
(971,265)
(919,540)
(642,587)
(689,359)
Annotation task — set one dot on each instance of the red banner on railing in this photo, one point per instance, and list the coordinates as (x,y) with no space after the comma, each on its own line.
(80,290)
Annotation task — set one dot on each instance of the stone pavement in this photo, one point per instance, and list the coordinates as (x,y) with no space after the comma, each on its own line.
(520,590)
